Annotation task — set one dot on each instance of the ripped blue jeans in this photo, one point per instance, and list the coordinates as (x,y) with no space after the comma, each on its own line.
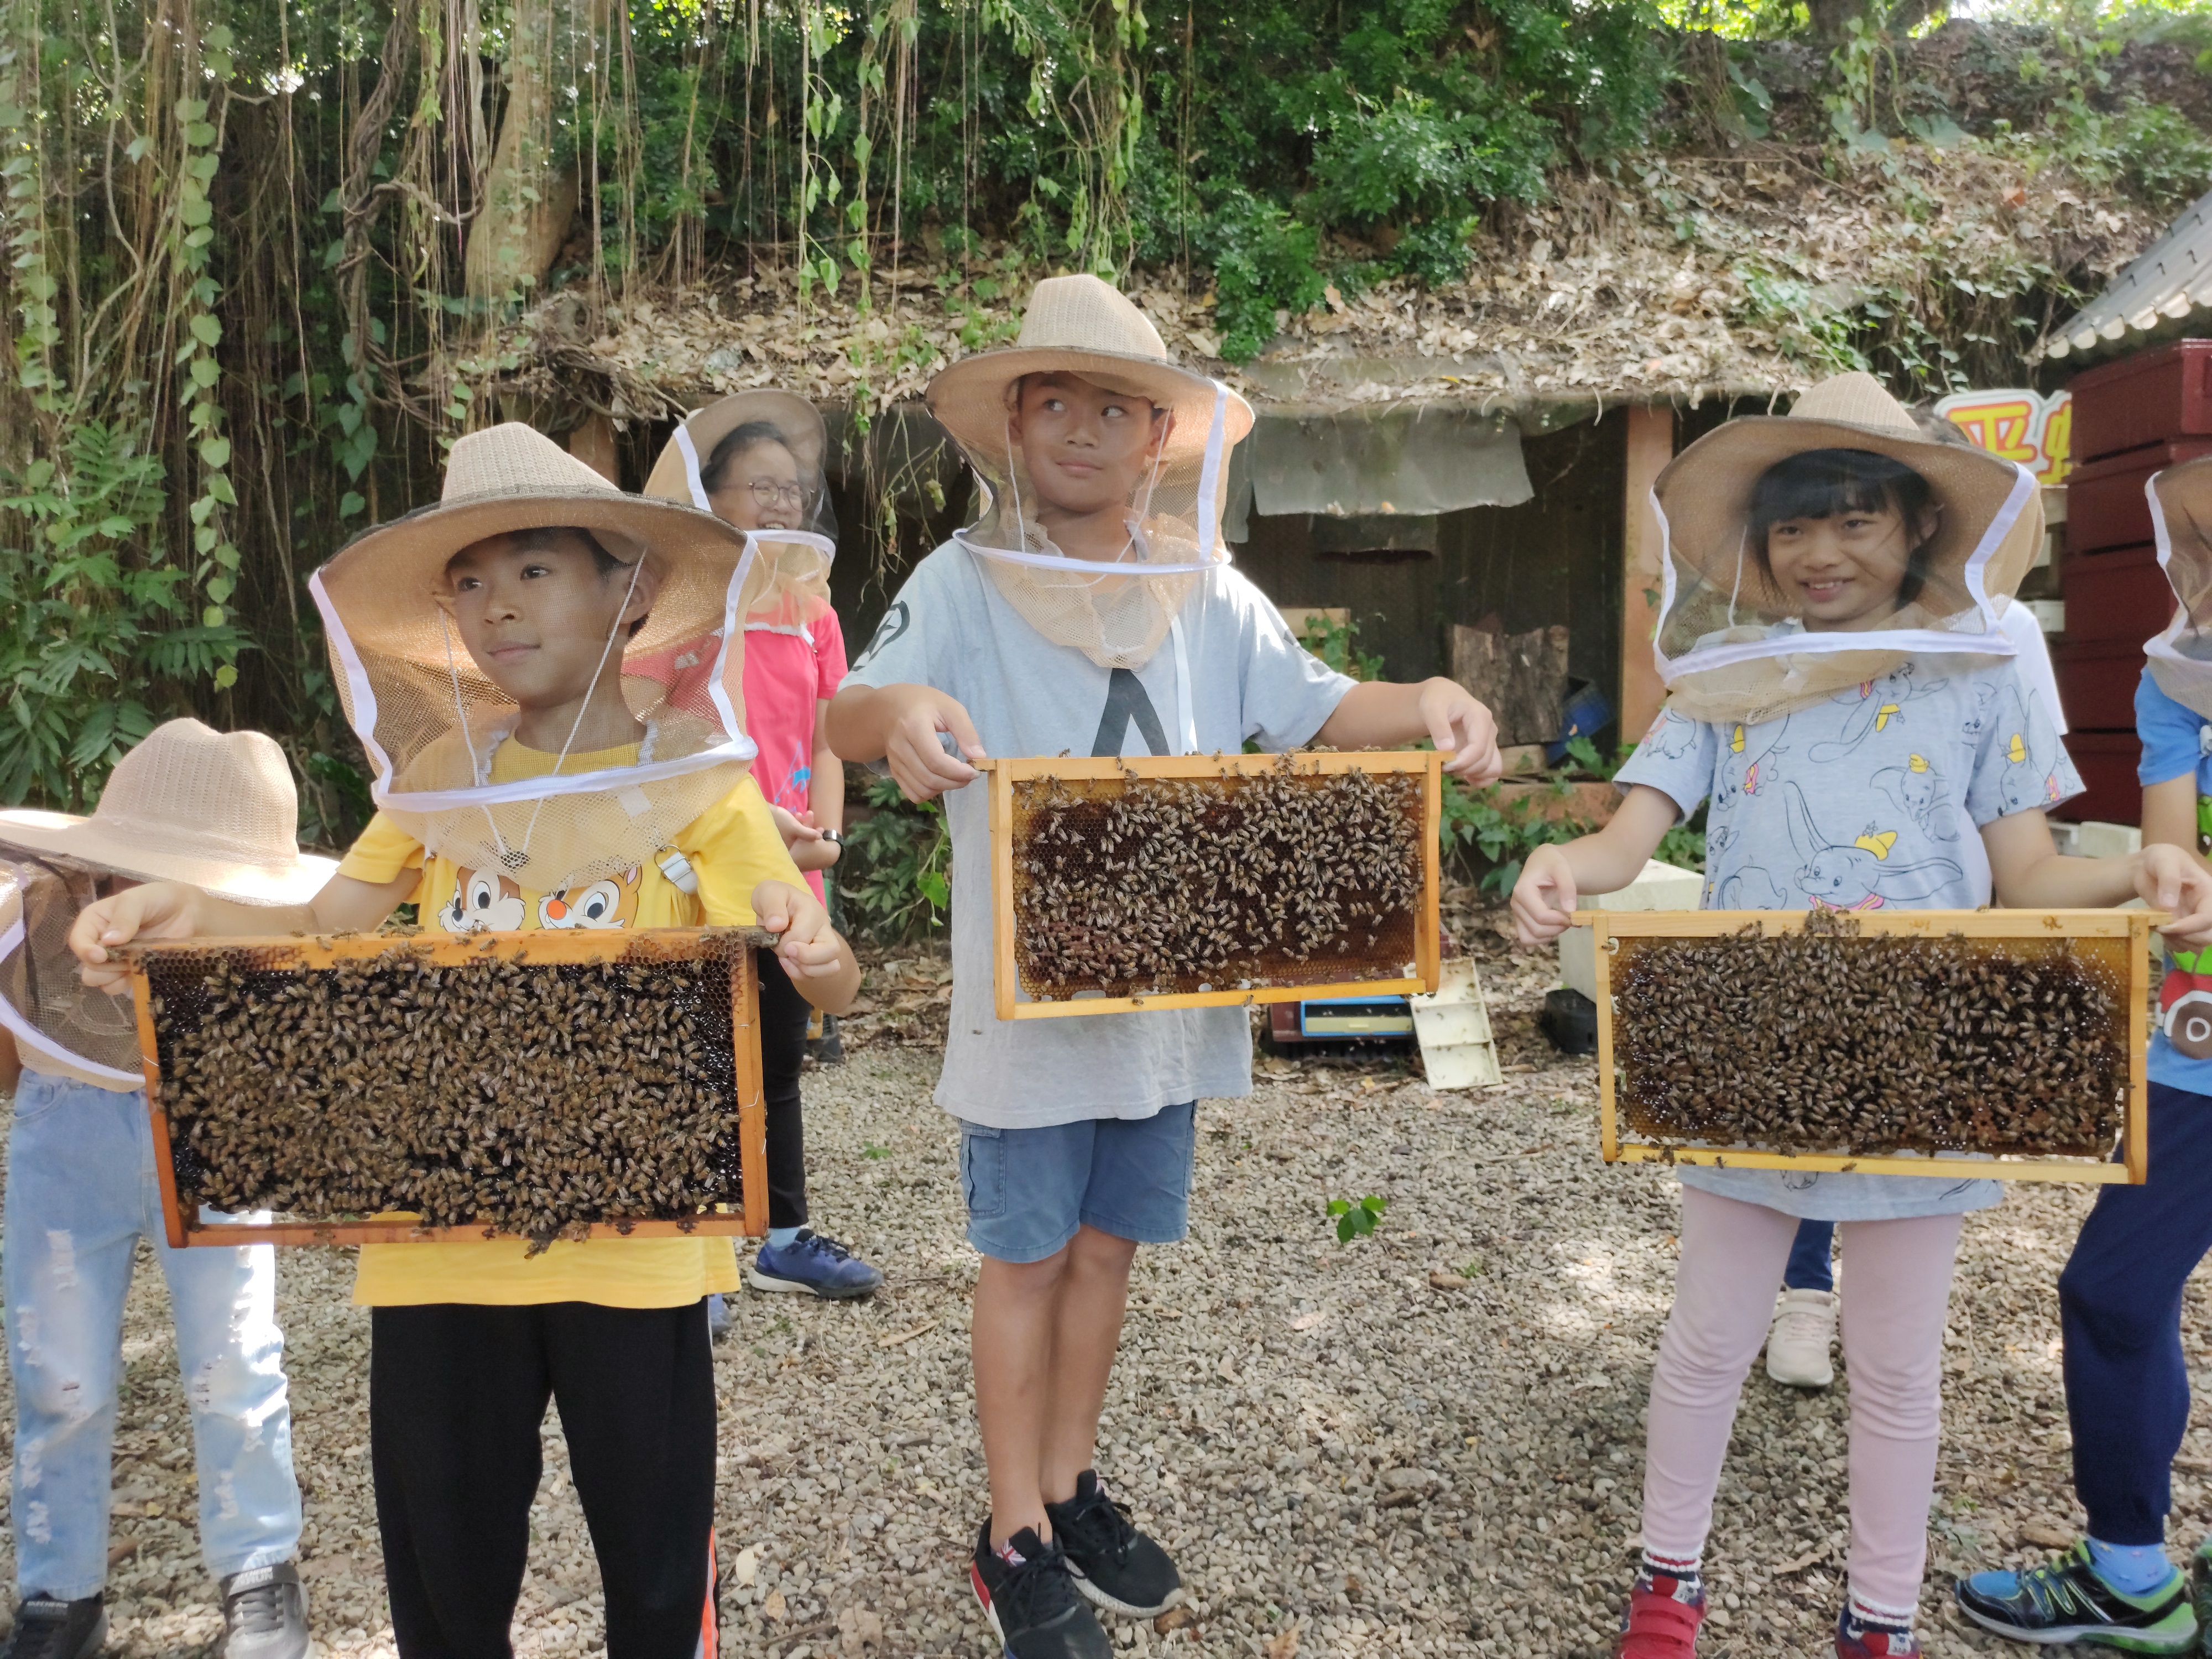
(81,1194)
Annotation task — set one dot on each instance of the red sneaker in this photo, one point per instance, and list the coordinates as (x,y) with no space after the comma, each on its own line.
(1663,1616)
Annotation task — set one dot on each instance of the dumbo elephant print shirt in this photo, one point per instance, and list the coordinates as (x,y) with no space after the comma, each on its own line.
(1872,799)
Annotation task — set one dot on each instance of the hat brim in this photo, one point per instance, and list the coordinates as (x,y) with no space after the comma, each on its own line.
(1706,491)
(969,399)
(87,840)
(387,581)
(798,420)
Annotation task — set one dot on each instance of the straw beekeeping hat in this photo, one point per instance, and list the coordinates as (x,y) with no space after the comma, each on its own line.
(2180,657)
(1730,644)
(1081,325)
(789,587)
(431,722)
(188,804)
(217,810)
(1117,612)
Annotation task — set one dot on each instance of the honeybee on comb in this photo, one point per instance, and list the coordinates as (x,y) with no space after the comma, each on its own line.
(1171,885)
(1828,1041)
(531,1098)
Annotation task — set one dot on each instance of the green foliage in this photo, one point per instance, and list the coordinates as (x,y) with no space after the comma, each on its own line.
(1335,644)
(95,629)
(895,875)
(1355,1219)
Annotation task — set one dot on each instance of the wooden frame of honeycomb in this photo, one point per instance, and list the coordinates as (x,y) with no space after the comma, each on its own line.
(1010,782)
(2115,941)
(545,946)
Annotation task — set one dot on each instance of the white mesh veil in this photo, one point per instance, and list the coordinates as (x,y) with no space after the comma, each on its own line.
(1731,644)
(789,588)
(2180,657)
(43,1003)
(432,723)
(1115,612)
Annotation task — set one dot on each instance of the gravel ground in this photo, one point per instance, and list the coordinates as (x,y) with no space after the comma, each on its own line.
(1425,1442)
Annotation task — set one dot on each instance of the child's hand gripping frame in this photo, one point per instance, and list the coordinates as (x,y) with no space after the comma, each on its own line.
(543,947)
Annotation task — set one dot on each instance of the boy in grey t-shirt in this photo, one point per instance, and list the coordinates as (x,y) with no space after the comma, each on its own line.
(1076,1133)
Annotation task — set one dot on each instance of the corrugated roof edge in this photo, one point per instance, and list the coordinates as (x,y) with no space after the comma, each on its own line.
(2162,287)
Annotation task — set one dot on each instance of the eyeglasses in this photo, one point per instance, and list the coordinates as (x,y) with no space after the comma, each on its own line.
(767,493)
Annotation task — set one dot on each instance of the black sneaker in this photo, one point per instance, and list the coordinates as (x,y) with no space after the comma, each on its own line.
(265,1614)
(1031,1602)
(47,1629)
(1114,1563)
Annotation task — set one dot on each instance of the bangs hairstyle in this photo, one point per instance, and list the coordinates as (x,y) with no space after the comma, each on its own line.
(736,442)
(552,538)
(1819,484)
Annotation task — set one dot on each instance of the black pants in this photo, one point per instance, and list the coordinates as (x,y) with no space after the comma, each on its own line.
(783,1016)
(456,1394)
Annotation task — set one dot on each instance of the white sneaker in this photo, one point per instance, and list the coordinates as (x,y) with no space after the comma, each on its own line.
(1797,1346)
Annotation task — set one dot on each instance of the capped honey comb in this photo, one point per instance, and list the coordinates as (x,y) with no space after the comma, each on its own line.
(467,1086)
(1828,1041)
(1134,885)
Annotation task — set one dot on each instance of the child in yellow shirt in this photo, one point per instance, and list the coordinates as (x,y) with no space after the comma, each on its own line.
(520,664)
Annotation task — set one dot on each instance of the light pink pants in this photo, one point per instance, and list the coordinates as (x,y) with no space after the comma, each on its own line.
(1896,1292)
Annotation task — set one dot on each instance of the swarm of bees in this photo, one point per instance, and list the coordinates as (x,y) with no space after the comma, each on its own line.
(1827,1042)
(528,1098)
(1126,887)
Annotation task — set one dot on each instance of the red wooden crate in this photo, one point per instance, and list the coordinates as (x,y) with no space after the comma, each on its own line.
(2106,506)
(2116,598)
(2097,684)
(2106,762)
(2147,398)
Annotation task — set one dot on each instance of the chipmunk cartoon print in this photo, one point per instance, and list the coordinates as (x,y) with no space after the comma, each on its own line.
(2029,778)
(1749,764)
(1671,735)
(609,903)
(1921,794)
(1877,705)
(1857,874)
(2185,1003)
(483,902)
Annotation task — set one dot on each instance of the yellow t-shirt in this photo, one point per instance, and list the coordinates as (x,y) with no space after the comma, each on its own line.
(732,847)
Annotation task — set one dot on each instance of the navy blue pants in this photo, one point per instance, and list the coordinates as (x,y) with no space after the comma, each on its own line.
(2119,1305)
(1809,1267)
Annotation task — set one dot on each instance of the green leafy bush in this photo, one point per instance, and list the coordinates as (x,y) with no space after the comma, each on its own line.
(1355,1219)
(894,875)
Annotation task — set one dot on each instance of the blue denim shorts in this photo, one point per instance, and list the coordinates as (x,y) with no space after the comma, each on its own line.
(1028,1190)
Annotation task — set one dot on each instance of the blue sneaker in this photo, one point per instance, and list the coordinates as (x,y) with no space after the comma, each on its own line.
(717,1317)
(820,1267)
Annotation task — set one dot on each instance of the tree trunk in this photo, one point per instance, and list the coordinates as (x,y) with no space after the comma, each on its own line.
(1522,678)
(530,188)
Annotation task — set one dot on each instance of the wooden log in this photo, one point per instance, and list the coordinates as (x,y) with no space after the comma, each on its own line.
(1522,678)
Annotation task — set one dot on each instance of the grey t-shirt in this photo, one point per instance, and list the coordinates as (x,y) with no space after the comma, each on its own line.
(950,628)
(1875,799)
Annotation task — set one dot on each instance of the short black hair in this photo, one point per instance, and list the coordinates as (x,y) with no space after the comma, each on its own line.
(1819,484)
(547,538)
(714,475)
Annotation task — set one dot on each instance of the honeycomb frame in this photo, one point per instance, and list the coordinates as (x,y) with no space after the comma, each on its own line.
(1102,775)
(538,947)
(2121,934)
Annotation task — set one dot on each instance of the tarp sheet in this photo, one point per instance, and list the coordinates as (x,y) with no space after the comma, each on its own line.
(1356,463)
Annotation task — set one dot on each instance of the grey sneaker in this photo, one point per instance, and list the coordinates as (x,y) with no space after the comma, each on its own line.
(47,1629)
(265,1614)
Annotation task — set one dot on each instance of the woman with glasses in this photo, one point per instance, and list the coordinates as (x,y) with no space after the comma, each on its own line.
(755,461)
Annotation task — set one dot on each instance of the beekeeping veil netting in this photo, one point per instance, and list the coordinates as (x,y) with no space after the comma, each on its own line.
(1116,612)
(45,1006)
(724,460)
(433,722)
(2180,658)
(1732,645)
